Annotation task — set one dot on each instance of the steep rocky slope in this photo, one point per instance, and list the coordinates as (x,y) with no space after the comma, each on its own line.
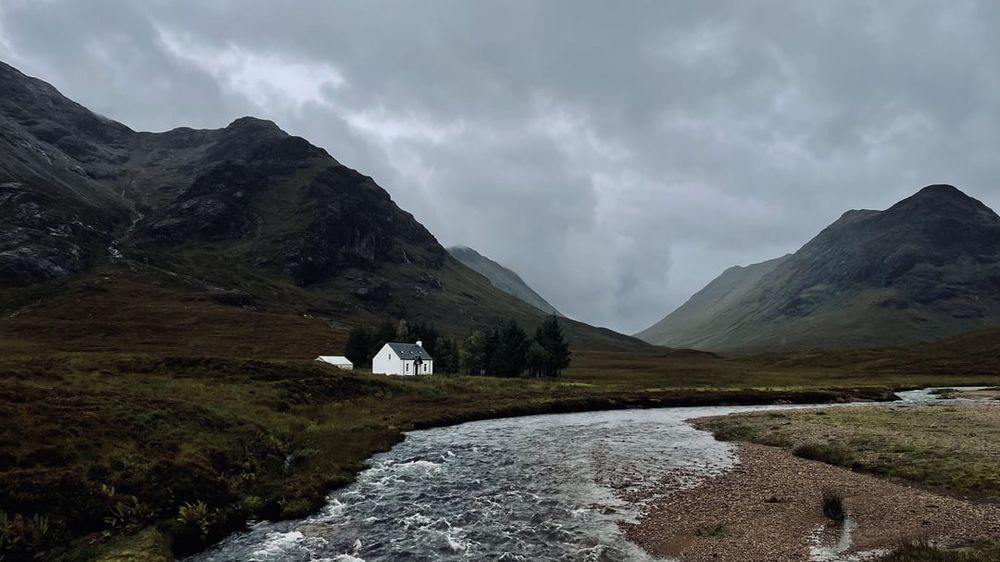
(926,268)
(501,277)
(57,211)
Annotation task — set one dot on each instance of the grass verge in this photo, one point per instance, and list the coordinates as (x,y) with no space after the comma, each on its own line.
(985,552)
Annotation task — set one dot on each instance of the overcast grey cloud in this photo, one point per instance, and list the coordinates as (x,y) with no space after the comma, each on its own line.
(617,155)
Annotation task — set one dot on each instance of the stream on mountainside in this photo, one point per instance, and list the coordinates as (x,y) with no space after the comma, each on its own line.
(546,487)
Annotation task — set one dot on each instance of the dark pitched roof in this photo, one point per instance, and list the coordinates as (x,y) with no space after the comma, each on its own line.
(410,351)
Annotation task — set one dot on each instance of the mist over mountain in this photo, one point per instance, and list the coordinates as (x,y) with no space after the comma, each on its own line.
(501,277)
(926,268)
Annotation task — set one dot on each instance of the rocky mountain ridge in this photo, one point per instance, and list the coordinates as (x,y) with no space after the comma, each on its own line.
(259,217)
(926,268)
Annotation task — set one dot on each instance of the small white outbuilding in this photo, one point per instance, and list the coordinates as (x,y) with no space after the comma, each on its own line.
(403,359)
(338,361)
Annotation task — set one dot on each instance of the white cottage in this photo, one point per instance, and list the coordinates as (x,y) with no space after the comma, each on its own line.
(338,361)
(403,359)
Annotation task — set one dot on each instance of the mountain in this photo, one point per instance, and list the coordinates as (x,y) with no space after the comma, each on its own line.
(56,210)
(926,268)
(98,221)
(501,278)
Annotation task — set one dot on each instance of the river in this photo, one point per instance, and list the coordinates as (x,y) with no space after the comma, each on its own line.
(548,487)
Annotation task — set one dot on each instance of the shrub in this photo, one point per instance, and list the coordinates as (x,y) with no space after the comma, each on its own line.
(21,535)
(197,515)
(738,432)
(251,504)
(297,508)
(833,506)
(830,454)
(128,514)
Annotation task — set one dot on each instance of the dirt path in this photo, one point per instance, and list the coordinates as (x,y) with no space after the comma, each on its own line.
(769,508)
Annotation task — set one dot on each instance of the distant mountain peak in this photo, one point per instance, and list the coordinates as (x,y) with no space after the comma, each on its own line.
(501,277)
(250,122)
(938,202)
(940,190)
(938,194)
(925,268)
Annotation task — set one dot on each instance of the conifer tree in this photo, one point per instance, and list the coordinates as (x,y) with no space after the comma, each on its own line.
(385,333)
(403,333)
(509,360)
(474,359)
(359,344)
(447,357)
(428,335)
(537,360)
(550,336)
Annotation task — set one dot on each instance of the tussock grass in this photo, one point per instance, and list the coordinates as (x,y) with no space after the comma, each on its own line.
(824,452)
(949,447)
(833,506)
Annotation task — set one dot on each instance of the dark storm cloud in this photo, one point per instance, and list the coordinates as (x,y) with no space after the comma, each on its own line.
(617,155)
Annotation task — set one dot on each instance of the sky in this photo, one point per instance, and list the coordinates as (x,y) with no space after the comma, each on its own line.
(617,155)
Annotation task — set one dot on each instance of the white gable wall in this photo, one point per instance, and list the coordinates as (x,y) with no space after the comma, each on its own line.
(386,362)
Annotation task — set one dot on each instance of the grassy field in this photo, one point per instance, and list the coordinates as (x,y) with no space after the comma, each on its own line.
(954,449)
(103,453)
(148,417)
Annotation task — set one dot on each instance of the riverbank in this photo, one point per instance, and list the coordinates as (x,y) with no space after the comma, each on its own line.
(990,393)
(103,456)
(769,507)
(920,460)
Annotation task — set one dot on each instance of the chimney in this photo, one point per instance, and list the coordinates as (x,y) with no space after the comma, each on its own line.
(420,343)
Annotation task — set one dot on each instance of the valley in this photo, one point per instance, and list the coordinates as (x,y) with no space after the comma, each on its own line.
(163,297)
(269,437)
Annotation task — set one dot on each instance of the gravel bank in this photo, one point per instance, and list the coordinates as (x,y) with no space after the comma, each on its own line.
(768,509)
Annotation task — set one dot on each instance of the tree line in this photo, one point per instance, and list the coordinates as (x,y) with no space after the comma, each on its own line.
(364,342)
(508,352)
(502,351)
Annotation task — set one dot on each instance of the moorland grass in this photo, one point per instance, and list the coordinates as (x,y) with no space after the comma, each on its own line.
(142,416)
(955,448)
(108,447)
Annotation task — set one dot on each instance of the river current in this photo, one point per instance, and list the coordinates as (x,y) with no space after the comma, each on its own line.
(548,487)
